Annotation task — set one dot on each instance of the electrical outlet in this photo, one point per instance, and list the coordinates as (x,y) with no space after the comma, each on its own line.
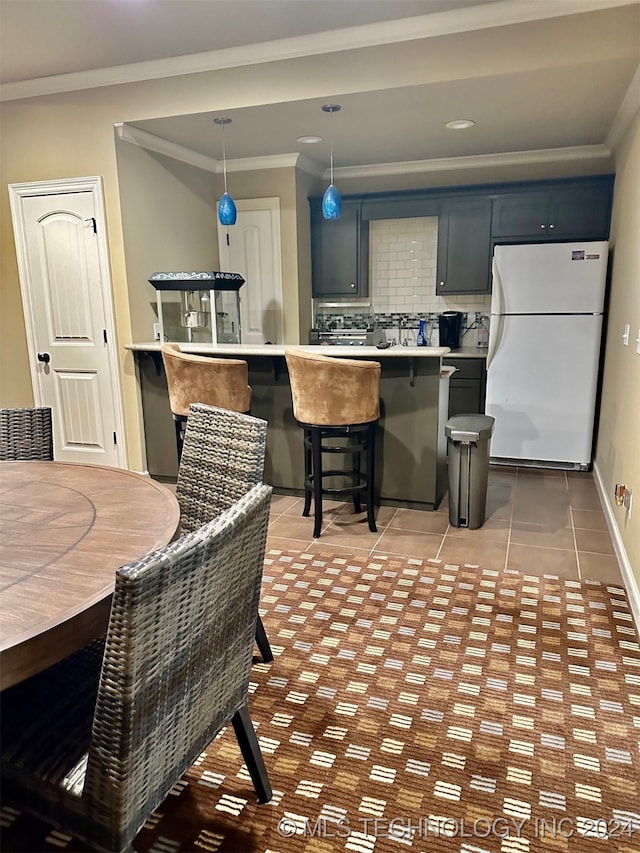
(156,331)
(624,497)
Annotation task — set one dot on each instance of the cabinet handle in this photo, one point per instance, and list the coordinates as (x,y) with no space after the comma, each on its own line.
(442,284)
(353,284)
(543,225)
(552,226)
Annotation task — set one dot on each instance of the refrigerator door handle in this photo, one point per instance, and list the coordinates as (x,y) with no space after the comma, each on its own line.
(497,295)
(496,313)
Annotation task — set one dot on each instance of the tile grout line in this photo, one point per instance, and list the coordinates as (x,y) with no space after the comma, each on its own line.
(444,536)
(575,543)
(573,530)
(386,527)
(513,503)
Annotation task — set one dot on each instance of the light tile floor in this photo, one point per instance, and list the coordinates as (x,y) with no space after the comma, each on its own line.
(539,522)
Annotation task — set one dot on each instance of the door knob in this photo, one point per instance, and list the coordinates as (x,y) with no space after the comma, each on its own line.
(44,356)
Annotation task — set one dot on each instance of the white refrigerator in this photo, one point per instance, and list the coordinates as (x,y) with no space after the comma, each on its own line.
(544,351)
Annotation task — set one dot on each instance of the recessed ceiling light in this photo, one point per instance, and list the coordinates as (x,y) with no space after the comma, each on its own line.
(309,139)
(459,124)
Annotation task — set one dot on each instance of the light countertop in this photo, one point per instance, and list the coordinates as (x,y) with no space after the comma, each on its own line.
(468,352)
(278,350)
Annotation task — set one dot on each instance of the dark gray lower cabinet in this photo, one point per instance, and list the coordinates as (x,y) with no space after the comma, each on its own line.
(466,386)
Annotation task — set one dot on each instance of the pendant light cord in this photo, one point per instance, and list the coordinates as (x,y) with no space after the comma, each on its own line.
(331,148)
(224,161)
(331,109)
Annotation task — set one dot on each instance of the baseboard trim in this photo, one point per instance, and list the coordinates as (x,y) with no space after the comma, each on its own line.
(630,583)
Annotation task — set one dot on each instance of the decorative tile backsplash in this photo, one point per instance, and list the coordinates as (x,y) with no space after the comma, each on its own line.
(402,286)
(402,280)
(402,270)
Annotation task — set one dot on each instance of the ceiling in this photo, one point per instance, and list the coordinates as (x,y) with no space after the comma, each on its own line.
(569,96)
(65,36)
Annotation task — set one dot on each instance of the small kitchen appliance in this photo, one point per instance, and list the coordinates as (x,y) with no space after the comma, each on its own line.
(450,324)
(349,323)
(198,307)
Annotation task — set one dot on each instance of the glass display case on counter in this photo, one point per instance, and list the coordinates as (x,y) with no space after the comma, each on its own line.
(348,323)
(188,302)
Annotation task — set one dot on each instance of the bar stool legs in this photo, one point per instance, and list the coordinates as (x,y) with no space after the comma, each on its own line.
(371,455)
(180,423)
(308,468)
(356,439)
(336,402)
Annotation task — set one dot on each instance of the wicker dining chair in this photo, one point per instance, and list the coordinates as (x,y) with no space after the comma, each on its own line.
(94,744)
(26,434)
(222,458)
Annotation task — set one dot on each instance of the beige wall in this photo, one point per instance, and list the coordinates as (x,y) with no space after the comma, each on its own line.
(618,450)
(282,184)
(168,223)
(72,135)
(306,185)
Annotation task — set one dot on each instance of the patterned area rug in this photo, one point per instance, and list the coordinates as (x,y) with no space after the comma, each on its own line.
(419,707)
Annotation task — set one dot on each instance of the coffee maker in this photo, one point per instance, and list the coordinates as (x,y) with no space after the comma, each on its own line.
(450,325)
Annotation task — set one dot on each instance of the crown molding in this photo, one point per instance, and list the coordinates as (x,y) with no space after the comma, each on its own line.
(467,19)
(311,167)
(444,164)
(628,108)
(269,161)
(160,145)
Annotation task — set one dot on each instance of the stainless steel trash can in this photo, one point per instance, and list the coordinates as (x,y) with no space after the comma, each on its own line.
(468,440)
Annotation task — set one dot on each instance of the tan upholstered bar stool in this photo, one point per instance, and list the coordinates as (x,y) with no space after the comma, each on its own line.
(221,382)
(336,401)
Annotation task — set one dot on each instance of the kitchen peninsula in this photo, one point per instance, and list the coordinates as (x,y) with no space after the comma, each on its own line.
(410,443)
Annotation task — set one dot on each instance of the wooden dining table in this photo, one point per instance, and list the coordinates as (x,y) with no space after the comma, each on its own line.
(64,530)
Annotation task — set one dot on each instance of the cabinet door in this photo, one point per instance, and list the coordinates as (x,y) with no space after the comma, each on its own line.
(464,397)
(464,246)
(466,386)
(339,252)
(521,215)
(581,213)
(574,212)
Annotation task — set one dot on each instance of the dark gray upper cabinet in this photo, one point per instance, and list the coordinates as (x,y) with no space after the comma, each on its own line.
(464,245)
(564,212)
(470,221)
(339,251)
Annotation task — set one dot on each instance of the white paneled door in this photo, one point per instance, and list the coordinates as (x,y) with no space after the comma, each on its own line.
(67,300)
(251,247)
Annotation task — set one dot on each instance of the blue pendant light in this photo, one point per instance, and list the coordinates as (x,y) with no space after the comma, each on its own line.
(331,200)
(227,212)
(331,203)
